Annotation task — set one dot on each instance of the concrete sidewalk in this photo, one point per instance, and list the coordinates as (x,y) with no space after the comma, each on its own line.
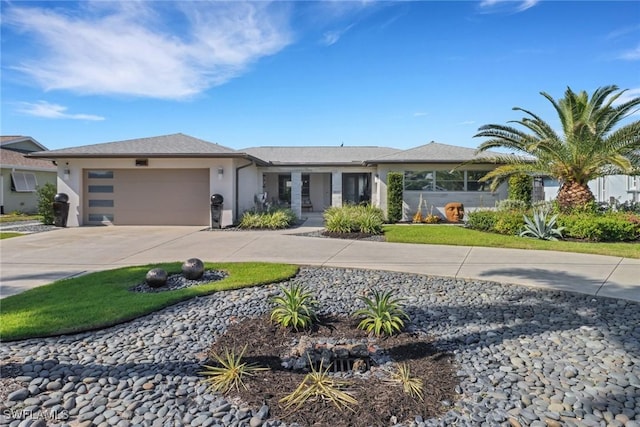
(41,258)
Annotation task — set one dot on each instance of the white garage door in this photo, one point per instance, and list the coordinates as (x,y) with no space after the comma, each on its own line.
(147,197)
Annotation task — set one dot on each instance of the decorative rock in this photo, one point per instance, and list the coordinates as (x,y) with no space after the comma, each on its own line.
(156,278)
(193,269)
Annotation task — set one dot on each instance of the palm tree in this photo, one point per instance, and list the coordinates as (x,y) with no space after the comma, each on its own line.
(588,147)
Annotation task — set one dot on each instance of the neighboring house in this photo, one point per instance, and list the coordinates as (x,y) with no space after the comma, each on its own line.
(168,180)
(21,176)
(611,189)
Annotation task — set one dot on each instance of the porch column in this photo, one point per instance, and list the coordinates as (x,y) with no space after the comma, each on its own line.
(296,193)
(336,189)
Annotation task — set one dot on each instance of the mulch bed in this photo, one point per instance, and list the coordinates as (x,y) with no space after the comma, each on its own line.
(379,402)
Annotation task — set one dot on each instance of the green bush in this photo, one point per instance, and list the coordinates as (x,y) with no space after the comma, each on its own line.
(483,220)
(354,219)
(394,196)
(609,227)
(510,223)
(521,188)
(273,220)
(511,205)
(46,193)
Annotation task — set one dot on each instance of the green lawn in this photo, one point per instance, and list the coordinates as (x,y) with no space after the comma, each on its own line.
(15,217)
(460,236)
(9,234)
(102,299)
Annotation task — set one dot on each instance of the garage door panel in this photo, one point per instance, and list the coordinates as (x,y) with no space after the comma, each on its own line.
(160,197)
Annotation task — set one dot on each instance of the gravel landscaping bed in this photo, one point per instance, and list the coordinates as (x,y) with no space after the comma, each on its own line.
(524,357)
(22,227)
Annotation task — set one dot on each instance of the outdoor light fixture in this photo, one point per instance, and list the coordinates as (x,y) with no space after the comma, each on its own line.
(220,173)
(66,173)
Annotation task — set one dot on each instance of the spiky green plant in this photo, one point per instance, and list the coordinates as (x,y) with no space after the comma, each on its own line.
(295,308)
(318,384)
(413,386)
(230,371)
(382,314)
(540,227)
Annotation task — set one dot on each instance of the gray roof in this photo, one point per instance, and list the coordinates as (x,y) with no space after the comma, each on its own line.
(7,141)
(176,145)
(434,152)
(318,155)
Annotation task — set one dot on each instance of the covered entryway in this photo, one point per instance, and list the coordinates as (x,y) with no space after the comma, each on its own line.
(147,197)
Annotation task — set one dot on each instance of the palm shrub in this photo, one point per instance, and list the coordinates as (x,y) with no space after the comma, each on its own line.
(229,372)
(587,148)
(413,386)
(382,314)
(395,183)
(295,308)
(354,219)
(541,227)
(46,193)
(338,220)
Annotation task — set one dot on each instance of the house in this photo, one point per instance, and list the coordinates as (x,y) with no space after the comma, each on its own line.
(21,176)
(169,180)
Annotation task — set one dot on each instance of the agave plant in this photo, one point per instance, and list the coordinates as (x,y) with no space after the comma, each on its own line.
(540,228)
(382,314)
(295,308)
(318,384)
(230,371)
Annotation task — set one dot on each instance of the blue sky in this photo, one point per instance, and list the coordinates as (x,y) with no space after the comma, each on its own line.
(397,74)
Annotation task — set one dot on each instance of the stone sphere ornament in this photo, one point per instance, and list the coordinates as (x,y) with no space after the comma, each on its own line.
(193,269)
(156,278)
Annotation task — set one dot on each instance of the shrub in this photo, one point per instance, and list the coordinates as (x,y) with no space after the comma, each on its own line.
(382,314)
(295,308)
(273,219)
(394,196)
(46,193)
(540,227)
(609,227)
(354,219)
(511,205)
(510,223)
(483,220)
(230,371)
(521,188)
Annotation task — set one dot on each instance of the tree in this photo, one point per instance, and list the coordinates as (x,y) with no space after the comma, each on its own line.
(588,147)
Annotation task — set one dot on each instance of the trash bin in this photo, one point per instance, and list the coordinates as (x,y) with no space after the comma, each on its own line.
(216,210)
(60,209)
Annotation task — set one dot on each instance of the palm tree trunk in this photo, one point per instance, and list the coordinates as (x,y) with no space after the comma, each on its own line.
(574,195)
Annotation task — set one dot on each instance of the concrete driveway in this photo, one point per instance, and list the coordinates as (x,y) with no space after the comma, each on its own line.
(41,258)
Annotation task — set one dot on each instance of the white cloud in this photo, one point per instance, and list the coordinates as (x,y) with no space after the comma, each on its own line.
(135,48)
(53,111)
(631,54)
(467,122)
(331,37)
(514,5)
(627,96)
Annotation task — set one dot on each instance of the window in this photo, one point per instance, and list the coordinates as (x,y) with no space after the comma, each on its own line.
(449,180)
(473,178)
(101,174)
(100,217)
(440,180)
(98,203)
(101,189)
(23,182)
(284,188)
